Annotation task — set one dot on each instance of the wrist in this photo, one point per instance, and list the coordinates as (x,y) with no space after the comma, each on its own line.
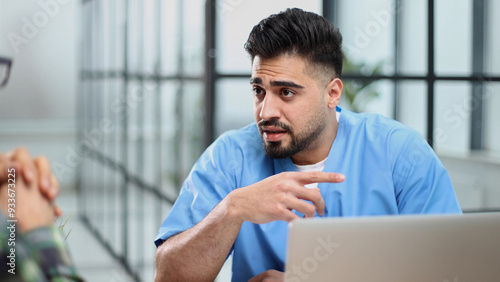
(25,227)
(233,210)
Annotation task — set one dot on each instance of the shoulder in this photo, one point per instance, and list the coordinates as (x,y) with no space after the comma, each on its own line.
(234,146)
(387,137)
(240,137)
(238,141)
(233,155)
(377,124)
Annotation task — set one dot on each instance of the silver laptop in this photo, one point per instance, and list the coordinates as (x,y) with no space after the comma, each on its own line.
(440,248)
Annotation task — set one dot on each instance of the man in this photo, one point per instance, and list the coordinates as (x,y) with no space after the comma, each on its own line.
(249,183)
(31,247)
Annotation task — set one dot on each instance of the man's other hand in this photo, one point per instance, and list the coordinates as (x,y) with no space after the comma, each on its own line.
(269,276)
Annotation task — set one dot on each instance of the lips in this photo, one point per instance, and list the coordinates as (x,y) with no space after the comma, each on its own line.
(272,134)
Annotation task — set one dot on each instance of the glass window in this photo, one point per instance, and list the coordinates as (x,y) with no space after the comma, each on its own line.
(97,199)
(193,34)
(150,47)
(118,26)
(108,198)
(164,116)
(366,96)
(150,143)
(193,124)
(135,36)
(235,20)
(135,246)
(170,145)
(97,99)
(367,29)
(107,30)
(492,38)
(413,37)
(491,100)
(112,121)
(135,125)
(118,238)
(119,110)
(452,117)
(453,37)
(234,105)
(149,230)
(412,103)
(169,91)
(87,54)
(98,38)
(383,104)
(169,34)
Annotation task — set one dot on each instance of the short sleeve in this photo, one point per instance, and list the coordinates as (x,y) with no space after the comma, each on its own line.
(422,184)
(209,181)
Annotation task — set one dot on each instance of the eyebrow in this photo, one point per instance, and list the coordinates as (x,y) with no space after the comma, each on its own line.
(258,80)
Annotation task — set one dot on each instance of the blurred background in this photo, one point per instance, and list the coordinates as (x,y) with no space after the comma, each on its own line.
(124,95)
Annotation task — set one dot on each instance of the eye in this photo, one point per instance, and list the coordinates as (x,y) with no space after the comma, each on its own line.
(258,91)
(287,93)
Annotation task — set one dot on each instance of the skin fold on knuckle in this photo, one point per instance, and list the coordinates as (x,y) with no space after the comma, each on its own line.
(317,200)
(315,176)
(280,187)
(277,209)
(309,211)
(291,216)
(316,196)
(284,186)
(28,171)
(282,200)
(21,153)
(43,165)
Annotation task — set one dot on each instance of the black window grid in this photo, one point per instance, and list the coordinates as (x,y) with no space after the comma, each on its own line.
(126,180)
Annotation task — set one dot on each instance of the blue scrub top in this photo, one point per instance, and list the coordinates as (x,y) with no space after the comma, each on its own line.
(390,169)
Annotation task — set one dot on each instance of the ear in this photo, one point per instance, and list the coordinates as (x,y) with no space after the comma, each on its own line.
(334,92)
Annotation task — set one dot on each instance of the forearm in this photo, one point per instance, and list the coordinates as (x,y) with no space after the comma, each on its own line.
(46,247)
(198,253)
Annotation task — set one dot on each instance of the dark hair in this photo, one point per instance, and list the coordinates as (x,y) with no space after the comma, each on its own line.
(295,31)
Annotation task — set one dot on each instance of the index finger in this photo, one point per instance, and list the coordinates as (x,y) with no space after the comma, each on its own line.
(26,163)
(319,176)
(5,164)
(45,177)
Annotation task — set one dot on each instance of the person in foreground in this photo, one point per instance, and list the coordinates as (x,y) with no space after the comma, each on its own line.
(303,157)
(31,247)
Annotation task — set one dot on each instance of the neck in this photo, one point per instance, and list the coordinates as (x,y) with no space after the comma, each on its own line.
(320,149)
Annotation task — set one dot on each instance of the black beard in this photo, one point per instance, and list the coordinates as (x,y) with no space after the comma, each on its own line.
(275,150)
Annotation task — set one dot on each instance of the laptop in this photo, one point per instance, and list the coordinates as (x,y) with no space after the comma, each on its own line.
(440,248)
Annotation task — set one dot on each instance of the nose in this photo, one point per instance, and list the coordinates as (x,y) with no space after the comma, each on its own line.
(270,107)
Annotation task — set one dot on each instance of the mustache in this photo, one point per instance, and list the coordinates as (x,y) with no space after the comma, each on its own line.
(274,122)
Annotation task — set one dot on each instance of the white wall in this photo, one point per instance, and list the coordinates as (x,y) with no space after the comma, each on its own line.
(37,107)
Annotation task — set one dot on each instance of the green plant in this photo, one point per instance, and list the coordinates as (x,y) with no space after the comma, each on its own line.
(358,93)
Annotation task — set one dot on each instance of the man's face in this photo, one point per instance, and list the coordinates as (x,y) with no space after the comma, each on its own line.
(289,106)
